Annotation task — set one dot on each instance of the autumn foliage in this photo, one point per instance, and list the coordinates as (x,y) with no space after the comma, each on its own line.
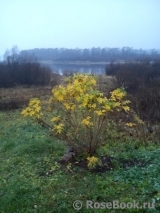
(79,113)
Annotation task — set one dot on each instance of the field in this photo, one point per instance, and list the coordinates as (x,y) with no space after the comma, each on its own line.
(33,179)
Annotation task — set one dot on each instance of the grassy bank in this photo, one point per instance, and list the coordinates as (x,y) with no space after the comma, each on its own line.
(32,180)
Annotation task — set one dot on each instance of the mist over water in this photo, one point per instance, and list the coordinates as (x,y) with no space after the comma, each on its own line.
(73,68)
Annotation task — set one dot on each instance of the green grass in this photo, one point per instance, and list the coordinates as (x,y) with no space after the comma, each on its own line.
(31,180)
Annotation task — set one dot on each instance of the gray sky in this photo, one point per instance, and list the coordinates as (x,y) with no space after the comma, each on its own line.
(79,23)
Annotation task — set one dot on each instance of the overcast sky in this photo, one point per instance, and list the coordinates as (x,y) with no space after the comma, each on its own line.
(79,23)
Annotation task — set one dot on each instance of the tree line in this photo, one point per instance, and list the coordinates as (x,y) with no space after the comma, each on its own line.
(21,68)
(94,54)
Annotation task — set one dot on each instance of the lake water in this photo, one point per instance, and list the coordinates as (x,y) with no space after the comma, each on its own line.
(66,68)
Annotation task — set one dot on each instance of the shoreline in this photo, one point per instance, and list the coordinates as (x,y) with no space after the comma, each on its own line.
(79,62)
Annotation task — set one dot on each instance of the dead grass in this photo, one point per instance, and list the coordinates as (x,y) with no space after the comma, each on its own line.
(14,98)
(19,96)
(105,83)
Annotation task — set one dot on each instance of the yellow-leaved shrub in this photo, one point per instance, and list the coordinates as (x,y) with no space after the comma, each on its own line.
(81,112)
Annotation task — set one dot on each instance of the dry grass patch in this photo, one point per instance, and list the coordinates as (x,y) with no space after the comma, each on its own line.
(105,83)
(14,98)
(17,97)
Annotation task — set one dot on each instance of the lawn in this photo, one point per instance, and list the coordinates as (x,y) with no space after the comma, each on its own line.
(32,180)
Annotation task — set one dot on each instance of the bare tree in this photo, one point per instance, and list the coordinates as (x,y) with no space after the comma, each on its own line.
(12,55)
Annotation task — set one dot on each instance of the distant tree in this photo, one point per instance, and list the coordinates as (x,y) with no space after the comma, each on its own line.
(86,53)
(25,57)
